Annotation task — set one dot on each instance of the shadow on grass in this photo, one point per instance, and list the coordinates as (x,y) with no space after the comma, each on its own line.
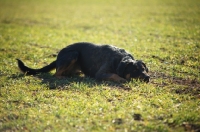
(178,85)
(79,81)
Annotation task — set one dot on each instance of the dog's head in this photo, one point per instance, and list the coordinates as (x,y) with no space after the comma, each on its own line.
(129,68)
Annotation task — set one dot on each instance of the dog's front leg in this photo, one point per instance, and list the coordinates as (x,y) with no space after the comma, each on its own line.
(110,77)
(103,74)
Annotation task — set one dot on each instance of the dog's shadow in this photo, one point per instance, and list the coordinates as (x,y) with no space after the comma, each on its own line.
(74,82)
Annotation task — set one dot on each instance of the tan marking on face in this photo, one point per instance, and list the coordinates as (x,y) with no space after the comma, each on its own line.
(128,76)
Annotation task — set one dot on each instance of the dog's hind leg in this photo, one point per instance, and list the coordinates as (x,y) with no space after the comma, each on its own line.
(104,74)
(65,63)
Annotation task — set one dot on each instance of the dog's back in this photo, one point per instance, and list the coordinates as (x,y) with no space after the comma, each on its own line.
(92,57)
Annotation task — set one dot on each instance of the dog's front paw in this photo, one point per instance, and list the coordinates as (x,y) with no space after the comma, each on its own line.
(122,80)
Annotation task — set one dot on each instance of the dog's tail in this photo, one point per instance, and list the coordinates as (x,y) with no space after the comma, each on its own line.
(30,71)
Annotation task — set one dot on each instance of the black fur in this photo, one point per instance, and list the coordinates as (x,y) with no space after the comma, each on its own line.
(30,71)
(103,62)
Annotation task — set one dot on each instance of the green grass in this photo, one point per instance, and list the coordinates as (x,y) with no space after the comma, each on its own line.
(165,34)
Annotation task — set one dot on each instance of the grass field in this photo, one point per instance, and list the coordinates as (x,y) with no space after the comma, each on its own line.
(165,34)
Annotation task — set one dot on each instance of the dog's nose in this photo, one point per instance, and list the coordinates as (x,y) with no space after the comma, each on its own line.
(146,79)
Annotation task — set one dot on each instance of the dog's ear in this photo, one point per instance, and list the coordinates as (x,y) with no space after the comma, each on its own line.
(147,70)
(122,65)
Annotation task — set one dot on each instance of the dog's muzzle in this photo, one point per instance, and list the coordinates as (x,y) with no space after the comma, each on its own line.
(144,77)
(147,79)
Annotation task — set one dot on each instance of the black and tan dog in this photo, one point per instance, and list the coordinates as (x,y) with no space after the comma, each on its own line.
(102,62)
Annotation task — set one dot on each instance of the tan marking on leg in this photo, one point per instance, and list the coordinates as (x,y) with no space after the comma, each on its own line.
(116,78)
(128,76)
(61,70)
